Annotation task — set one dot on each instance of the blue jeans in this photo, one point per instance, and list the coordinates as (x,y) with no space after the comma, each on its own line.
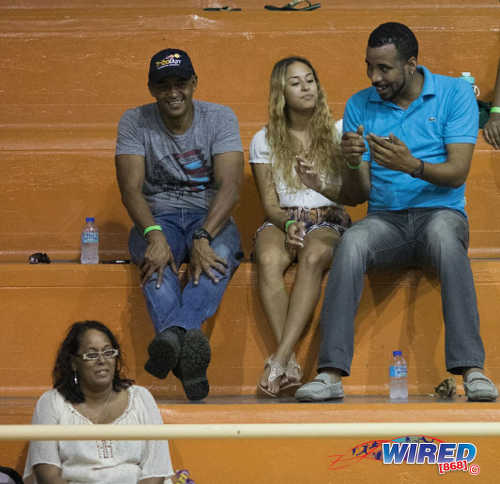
(425,237)
(188,307)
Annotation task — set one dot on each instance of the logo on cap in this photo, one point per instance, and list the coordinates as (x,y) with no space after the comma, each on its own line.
(173,60)
(176,60)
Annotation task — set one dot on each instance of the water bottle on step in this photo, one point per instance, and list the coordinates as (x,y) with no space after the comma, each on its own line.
(90,242)
(398,377)
(466,76)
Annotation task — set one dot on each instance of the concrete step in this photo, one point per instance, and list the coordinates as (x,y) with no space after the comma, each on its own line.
(398,310)
(307,460)
(87,63)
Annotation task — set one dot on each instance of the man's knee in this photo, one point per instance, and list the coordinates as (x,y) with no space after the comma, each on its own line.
(446,233)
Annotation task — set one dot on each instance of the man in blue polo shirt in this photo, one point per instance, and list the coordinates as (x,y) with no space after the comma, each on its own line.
(408,143)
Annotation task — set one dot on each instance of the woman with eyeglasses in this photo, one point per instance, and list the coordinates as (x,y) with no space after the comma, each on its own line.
(89,389)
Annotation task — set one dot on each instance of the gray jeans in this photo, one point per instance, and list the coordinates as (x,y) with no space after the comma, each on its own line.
(424,237)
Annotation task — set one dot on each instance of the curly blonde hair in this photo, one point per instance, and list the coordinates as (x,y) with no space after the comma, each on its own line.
(324,150)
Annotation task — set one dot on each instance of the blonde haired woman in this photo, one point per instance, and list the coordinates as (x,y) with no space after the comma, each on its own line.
(302,225)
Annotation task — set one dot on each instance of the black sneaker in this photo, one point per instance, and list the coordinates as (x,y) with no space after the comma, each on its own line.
(193,363)
(164,352)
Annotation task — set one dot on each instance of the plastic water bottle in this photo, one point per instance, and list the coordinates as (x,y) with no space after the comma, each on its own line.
(398,377)
(90,242)
(466,76)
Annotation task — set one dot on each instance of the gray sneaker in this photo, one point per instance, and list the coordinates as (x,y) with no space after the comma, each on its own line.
(321,388)
(479,388)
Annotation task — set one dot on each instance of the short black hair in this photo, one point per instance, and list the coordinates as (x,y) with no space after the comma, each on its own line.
(398,34)
(62,374)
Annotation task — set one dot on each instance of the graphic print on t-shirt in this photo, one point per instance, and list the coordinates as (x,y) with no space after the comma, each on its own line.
(182,172)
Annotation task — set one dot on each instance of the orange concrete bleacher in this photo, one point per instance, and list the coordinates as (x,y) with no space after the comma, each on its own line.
(398,310)
(307,461)
(69,70)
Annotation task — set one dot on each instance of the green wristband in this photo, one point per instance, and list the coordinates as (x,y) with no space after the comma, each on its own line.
(495,109)
(288,223)
(151,228)
(352,167)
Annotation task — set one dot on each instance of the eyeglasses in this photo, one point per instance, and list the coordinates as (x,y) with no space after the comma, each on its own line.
(94,355)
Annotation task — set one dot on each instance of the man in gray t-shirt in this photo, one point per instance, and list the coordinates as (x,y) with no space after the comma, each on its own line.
(179,165)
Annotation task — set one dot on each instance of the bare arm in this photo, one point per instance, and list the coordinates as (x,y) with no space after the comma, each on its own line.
(355,172)
(263,176)
(395,155)
(491,130)
(228,175)
(353,185)
(152,480)
(48,474)
(130,172)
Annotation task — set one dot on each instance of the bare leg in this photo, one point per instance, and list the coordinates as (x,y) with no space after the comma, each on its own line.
(313,260)
(272,261)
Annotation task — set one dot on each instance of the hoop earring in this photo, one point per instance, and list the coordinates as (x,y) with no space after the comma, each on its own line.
(75,378)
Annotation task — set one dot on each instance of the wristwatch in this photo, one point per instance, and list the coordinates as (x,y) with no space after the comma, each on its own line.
(201,233)
(418,172)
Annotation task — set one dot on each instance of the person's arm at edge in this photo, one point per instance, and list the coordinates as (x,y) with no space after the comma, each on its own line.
(491,130)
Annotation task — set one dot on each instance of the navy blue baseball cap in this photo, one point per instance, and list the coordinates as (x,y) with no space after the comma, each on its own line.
(168,63)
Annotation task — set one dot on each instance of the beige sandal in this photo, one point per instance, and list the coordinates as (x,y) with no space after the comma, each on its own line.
(276,371)
(293,374)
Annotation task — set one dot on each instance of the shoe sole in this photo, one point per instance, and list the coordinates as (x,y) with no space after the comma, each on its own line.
(316,397)
(310,399)
(193,364)
(481,398)
(163,356)
(266,392)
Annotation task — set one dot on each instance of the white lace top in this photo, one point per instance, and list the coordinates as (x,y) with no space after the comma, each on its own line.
(103,461)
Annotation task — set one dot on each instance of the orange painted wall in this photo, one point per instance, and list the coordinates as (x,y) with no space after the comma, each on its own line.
(70,70)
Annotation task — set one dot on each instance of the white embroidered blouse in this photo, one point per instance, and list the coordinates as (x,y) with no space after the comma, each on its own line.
(103,461)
